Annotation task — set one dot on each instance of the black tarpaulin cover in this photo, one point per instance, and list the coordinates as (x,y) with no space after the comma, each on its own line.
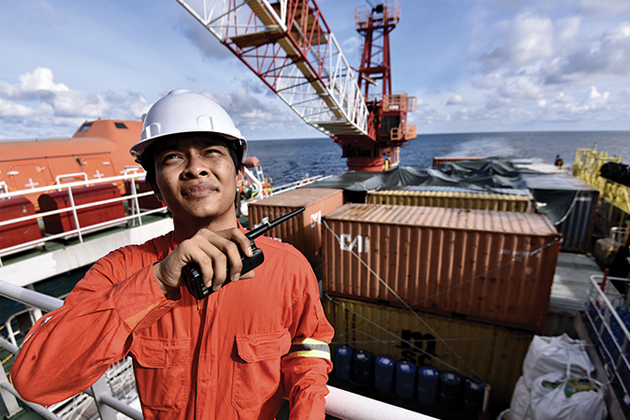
(554,193)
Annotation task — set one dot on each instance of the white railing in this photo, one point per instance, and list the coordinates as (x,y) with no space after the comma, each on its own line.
(296,184)
(263,193)
(608,313)
(133,213)
(341,404)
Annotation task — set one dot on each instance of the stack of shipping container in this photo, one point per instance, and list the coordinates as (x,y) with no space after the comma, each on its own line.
(453,283)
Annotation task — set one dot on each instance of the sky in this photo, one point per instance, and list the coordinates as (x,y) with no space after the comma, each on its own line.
(473,65)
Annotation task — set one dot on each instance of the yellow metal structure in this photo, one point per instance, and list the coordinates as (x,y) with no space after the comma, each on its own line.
(587,165)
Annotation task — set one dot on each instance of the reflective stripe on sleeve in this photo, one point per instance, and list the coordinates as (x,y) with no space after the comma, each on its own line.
(310,348)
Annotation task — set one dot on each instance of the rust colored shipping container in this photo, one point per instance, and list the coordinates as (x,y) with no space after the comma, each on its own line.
(20,232)
(494,354)
(485,265)
(448,199)
(304,230)
(443,159)
(88,216)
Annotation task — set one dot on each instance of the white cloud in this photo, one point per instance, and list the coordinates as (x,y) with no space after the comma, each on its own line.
(455,100)
(252,116)
(605,8)
(39,86)
(604,55)
(596,99)
(10,109)
(562,98)
(528,38)
(492,80)
(37,102)
(569,28)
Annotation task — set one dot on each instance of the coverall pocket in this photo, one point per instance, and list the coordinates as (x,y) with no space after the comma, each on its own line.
(161,369)
(257,374)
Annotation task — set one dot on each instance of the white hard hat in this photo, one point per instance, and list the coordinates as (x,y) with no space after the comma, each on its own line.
(183,111)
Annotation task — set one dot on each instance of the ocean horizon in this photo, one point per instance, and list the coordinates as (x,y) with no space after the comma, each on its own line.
(289,160)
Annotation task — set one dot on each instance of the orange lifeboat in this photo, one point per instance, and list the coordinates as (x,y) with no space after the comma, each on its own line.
(99,149)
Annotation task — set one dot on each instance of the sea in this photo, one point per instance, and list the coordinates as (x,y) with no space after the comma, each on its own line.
(286,161)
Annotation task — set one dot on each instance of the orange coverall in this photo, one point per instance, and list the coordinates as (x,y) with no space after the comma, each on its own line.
(229,356)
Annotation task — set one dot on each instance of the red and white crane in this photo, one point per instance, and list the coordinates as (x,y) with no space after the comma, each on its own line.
(289,45)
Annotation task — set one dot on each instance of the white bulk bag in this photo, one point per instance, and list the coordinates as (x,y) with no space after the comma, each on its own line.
(521,398)
(552,354)
(553,403)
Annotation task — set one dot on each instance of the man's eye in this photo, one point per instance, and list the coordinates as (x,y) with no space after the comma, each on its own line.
(213,151)
(169,156)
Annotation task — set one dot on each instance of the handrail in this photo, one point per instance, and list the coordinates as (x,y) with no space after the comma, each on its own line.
(602,314)
(111,179)
(339,403)
(35,407)
(133,215)
(296,184)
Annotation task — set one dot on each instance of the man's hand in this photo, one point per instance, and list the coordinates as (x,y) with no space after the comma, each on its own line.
(214,252)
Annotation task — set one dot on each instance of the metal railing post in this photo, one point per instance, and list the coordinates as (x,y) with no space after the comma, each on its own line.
(10,402)
(75,214)
(7,389)
(99,390)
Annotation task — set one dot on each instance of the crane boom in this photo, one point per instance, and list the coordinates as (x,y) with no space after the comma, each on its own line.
(290,47)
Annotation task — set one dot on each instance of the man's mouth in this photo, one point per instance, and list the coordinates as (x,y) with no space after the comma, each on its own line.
(198,190)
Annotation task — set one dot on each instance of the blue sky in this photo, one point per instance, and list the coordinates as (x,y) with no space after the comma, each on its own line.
(474,65)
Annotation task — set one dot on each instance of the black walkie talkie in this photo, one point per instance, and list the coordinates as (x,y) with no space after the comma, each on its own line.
(192,274)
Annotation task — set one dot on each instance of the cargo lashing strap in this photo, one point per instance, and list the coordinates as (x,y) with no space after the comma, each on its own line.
(407,306)
(435,334)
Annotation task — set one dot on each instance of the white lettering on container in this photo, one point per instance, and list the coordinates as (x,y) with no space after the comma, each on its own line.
(316,219)
(347,243)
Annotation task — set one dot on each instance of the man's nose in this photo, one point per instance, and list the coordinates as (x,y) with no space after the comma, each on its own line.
(196,167)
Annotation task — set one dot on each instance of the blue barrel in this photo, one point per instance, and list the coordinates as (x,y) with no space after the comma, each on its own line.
(448,389)
(428,377)
(362,367)
(383,373)
(405,379)
(473,396)
(343,362)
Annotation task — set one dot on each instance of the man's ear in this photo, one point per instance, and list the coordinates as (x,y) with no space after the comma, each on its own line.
(155,189)
(240,175)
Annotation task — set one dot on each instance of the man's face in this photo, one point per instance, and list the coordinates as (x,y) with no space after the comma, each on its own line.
(196,178)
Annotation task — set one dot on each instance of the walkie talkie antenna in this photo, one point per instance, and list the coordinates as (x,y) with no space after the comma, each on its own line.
(267,226)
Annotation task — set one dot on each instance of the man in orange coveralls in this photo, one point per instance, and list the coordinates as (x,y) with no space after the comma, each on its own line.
(231,355)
